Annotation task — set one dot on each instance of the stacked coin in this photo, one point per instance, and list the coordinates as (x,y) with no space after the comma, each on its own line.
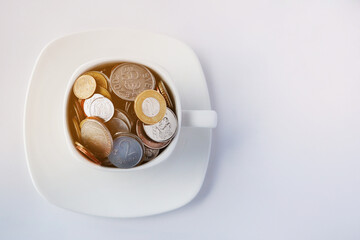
(122,120)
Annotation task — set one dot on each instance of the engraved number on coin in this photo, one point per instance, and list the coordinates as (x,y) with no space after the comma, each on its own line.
(126,145)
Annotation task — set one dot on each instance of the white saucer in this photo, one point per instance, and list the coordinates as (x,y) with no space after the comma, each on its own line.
(69,184)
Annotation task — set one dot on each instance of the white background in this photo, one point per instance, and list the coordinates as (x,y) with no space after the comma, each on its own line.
(284,77)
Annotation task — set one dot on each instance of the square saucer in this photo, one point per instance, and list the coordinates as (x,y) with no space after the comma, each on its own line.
(67,183)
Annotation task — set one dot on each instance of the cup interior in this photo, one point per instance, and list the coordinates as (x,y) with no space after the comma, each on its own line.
(159,73)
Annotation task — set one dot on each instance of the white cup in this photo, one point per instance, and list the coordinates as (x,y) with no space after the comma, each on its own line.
(186,118)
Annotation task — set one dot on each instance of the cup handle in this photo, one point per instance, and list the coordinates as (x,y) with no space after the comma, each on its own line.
(199,118)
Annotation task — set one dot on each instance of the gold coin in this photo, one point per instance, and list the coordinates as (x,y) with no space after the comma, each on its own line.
(76,127)
(96,137)
(96,118)
(78,111)
(164,92)
(84,87)
(103,92)
(82,123)
(99,78)
(90,156)
(150,106)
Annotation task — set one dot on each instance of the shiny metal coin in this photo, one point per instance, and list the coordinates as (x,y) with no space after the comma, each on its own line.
(87,103)
(78,111)
(84,87)
(103,92)
(96,137)
(150,106)
(128,80)
(148,142)
(106,163)
(96,118)
(116,125)
(123,116)
(128,151)
(87,153)
(128,106)
(162,89)
(150,154)
(76,128)
(163,130)
(102,108)
(99,78)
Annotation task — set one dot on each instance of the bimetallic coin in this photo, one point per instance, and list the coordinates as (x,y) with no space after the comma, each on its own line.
(128,80)
(103,92)
(96,137)
(87,153)
(84,87)
(128,151)
(116,125)
(88,102)
(99,78)
(150,154)
(150,106)
(148,142)
(123,116)
(162,89)
(76,127)
(102,108)
(163,130)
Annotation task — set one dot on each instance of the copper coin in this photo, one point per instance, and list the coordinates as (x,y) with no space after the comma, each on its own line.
(87,153)
(96,137)
(148,142)
(128,80)
(84,87)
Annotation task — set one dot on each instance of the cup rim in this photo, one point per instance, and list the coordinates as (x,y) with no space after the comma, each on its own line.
(99,61)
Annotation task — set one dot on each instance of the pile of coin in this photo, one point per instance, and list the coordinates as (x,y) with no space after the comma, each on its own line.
(122,120)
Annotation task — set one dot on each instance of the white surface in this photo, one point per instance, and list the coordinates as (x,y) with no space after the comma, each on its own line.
(284,79)
(176,174)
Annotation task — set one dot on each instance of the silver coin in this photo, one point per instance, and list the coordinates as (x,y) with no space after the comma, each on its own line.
(127,152)
(150,154)
(128,80)
(102,108)
(106,163)
(163,130)
(150,107)
(116,125)
(87,103)
(123,116)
